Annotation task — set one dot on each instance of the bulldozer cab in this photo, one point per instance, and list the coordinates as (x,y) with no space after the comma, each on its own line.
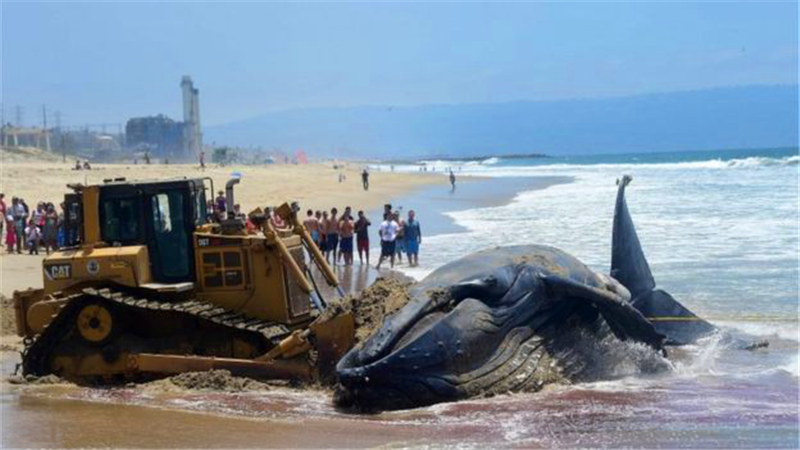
(161,215)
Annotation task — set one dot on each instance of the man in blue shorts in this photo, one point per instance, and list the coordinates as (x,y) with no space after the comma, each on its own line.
(413,237)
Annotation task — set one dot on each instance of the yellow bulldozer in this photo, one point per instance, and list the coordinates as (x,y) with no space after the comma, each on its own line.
(149,286)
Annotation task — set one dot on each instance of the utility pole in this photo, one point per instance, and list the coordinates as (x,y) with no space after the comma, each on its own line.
(46,131)
(2,124)
(19,112)
(61,136)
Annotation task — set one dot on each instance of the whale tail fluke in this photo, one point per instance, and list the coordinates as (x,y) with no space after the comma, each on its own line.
(628,263)
(629,267)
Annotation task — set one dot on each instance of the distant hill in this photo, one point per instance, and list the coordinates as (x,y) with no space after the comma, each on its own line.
(737,117)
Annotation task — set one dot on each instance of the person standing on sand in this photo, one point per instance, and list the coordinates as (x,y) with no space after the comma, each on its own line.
(348,212)
(3,213)
(400,244)
(18,215)
(388,233)
(323,233)
(346,233)
(50,229)
(11,234)
(362,236)
(413,235)
(365,179)
(452,180)
(32,236)
(38,214)
(26,214)
(202,161)
(332,235)
(312,225)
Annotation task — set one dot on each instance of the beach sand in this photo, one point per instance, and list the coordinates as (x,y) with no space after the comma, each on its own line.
(314,186)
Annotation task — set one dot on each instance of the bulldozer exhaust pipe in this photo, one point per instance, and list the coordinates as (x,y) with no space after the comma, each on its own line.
(229,197)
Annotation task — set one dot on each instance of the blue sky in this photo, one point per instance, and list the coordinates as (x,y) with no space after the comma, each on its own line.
(107,62)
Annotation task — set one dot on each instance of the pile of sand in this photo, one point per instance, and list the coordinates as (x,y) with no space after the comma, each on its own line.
(8,320)
(213,380)
(370,306)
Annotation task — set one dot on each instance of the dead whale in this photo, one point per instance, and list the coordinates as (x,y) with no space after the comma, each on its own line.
(515,319)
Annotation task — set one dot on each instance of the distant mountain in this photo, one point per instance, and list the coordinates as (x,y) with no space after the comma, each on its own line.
(737,117)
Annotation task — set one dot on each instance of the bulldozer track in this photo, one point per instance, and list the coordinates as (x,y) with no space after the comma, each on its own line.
(38,351)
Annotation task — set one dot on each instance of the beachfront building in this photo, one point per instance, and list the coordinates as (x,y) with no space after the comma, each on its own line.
(165,138)
(159,135)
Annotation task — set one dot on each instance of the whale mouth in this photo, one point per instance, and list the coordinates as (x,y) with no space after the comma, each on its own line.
(397,332)
(431,325)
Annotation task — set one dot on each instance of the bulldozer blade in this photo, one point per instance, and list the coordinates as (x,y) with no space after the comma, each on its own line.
(332,339)
(284,369)
(23,300)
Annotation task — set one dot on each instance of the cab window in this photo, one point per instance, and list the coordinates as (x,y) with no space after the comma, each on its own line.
(170,244)
(119,218)
(200,207)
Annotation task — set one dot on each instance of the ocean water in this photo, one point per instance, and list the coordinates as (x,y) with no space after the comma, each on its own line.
(720,231)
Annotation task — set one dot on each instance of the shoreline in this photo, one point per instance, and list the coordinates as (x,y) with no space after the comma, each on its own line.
(433,203)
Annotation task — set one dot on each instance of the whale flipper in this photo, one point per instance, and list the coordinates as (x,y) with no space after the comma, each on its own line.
(628,263)
(624,320)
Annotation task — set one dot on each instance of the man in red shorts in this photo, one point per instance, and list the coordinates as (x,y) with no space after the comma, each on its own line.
(362,236)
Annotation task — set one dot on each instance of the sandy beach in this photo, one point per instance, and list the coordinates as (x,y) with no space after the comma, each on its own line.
(312,185)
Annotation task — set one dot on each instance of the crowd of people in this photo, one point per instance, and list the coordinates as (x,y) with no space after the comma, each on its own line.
(340,236)
(28,229)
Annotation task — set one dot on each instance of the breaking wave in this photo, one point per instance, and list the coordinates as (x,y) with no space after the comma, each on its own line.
(456,163)
(744,163)
(753,162)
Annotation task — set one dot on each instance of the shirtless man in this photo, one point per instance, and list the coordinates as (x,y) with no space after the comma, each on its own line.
(362,234)
(346,228)
(323,233)
(332,235)
(312,225)
(348,212)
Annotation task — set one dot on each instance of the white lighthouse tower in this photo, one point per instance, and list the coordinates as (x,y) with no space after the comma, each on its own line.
(192,137)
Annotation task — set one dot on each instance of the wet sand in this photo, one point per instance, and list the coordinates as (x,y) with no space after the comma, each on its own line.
(620,414)
(42,420)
